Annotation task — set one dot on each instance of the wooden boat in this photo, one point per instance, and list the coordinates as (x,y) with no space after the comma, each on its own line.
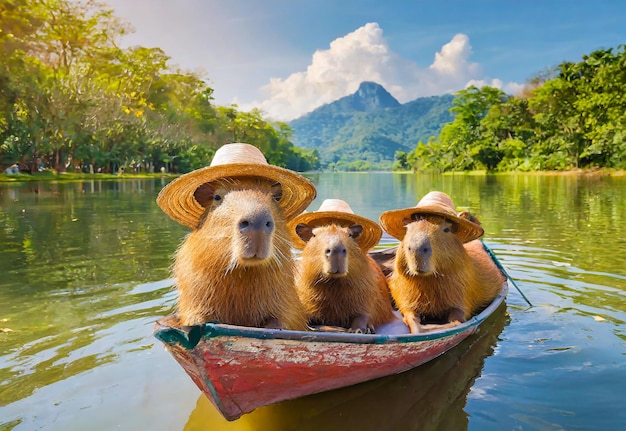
(242,368)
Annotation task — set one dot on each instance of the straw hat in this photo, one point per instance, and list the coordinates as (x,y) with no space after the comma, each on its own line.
(232,161)
(434,203)
(338,212)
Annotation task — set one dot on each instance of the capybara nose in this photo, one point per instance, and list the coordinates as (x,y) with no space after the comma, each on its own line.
(336,257)
(338,250)
(257,223)
(421,247)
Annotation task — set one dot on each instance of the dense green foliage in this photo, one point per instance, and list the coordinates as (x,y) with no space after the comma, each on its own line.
(575,118)
(71,99)
(365,130)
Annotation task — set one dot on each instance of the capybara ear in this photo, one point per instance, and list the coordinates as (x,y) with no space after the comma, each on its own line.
(277,191)
(355,230)
(304,231)
(204,194)
(469,216)
(407,221)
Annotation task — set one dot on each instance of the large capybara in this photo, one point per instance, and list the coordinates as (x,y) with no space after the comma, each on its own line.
(338,283)
(442,272)
(236,265)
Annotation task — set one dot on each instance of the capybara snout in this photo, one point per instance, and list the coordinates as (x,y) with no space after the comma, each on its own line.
(253,240)
(336,253)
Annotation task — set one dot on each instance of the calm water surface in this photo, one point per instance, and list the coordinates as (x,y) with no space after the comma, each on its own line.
(84,275)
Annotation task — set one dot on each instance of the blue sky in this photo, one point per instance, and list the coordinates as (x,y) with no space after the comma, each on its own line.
(287,57)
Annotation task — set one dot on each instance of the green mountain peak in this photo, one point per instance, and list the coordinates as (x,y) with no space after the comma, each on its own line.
(364,130)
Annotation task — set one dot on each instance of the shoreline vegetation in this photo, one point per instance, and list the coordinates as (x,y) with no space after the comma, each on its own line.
(71,176)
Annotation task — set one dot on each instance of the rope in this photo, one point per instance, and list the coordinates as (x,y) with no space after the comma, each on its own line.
(499,265)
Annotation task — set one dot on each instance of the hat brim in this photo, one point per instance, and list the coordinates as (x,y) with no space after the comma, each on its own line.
(177,198)
(370,236)
(393,222)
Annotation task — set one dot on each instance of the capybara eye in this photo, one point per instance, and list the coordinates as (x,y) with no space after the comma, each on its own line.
(277,191)
(217,198)
(446,229)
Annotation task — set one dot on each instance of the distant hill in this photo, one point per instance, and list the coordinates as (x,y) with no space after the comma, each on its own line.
(365,129)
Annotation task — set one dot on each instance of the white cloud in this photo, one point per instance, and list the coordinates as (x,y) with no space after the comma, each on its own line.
(364,55)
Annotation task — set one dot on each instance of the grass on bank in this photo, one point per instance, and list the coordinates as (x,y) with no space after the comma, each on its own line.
(73,176)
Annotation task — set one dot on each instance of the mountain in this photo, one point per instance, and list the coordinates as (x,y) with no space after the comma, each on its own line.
(369,97)
(364,130)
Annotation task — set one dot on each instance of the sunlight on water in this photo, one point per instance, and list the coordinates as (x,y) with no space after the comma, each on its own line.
(85,274)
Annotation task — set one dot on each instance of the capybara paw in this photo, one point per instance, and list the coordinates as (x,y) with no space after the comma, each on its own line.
(414,324)
(274,324)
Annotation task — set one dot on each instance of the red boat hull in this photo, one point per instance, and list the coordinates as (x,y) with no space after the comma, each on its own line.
(239,374)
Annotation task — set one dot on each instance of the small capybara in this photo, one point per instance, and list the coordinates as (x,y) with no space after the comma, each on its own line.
(338,283)
(236,267)
(438,278)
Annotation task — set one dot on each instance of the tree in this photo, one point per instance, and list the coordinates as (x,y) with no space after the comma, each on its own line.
(401,161)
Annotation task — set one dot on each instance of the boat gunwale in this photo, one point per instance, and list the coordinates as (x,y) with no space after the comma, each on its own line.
(191,336)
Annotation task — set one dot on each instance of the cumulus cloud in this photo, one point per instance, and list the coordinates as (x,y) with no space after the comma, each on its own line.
(364,55)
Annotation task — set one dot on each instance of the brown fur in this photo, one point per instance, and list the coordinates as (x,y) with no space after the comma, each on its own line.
(236,267)
(338,283)
(436,277)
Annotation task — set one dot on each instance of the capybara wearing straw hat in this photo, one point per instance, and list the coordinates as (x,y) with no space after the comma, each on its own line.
(235,266)
(338,283)
(442,272)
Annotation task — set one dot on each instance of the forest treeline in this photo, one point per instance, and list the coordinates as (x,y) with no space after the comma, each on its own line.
(72,99)
(573,116)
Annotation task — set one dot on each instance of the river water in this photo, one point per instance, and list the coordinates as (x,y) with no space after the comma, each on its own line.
(84,275)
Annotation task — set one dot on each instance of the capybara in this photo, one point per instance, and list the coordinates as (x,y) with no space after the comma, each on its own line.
(236,267)
(437,277)
(338,283)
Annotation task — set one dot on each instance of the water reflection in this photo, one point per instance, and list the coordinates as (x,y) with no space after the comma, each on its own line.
(430,397)
(65,336)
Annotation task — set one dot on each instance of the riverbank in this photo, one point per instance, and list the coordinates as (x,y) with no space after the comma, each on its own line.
(606,172)
(75,176)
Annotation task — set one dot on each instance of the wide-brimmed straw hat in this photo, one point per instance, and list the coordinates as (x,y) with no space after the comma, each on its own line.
(337,211)
(434,203)
(234,161)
